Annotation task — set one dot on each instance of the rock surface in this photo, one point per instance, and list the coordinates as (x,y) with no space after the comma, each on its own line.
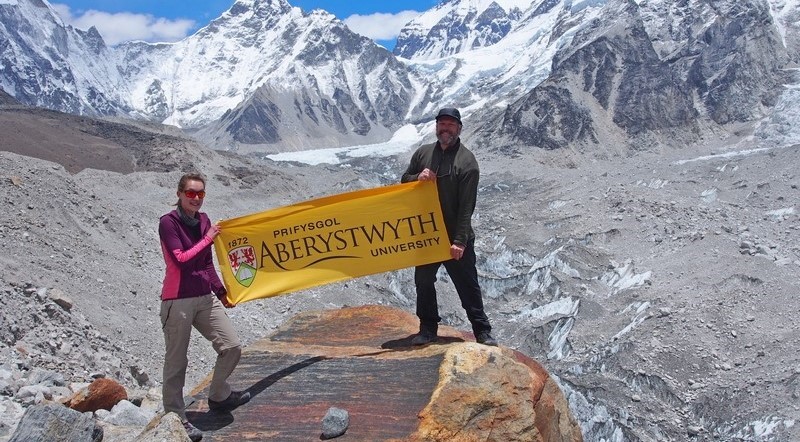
(360,359)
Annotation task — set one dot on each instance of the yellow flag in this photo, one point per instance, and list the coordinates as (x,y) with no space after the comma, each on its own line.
(331,239)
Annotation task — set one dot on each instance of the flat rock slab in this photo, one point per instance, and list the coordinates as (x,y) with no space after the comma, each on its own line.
(360,360)
(291,395)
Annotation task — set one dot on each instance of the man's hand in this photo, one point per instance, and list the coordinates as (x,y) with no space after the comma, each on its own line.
(426,175)
(456,251)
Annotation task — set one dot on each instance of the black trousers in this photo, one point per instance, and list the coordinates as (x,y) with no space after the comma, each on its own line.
(465,278)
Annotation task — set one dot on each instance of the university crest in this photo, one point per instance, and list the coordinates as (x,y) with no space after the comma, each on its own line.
(243,264)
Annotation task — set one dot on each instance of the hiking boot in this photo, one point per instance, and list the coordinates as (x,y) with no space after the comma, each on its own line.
(424,337)
(192,431)
(486,338)
(235,399)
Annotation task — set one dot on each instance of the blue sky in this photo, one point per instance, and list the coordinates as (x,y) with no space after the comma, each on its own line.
(172,20)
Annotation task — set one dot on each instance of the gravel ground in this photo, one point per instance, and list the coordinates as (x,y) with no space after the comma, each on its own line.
(681,265)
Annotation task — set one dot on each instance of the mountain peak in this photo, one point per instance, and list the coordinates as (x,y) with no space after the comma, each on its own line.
(258,8)
(457,26)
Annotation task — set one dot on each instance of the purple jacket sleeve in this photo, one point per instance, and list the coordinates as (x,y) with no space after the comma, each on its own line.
(171,238)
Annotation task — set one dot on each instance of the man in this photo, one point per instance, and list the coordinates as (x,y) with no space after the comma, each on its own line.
(455,171)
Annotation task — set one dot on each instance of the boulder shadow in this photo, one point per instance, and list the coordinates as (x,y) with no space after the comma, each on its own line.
(404,344)
(212,420)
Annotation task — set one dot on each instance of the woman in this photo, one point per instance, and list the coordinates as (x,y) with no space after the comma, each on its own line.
(193,296)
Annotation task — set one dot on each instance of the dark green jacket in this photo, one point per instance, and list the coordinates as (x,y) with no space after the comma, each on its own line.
(457,179)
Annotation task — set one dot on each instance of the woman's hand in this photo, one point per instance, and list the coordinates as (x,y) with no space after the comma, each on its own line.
(222,295)
(213,231)
(226,303)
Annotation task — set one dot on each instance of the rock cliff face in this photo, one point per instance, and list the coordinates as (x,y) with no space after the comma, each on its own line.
(360,359)
(641,69)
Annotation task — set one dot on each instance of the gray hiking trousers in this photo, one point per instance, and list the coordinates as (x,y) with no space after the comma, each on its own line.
(206,314)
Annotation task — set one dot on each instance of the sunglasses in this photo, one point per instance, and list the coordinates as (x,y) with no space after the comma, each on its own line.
(191,194)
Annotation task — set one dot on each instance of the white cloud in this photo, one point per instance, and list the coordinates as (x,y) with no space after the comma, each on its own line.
(125,26)
(380,26)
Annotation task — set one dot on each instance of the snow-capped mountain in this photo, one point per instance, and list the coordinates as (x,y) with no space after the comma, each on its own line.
(478,73)
(45,63)
(607,72)
(266,77)
(263,72)
(458,26)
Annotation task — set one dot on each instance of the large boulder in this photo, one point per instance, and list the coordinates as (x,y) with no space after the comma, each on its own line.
(167,428)
(56,423)
(361,360)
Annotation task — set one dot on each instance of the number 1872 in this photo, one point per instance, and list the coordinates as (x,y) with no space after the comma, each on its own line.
(237,242)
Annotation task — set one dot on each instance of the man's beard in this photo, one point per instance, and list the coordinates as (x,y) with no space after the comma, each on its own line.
(446,138)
